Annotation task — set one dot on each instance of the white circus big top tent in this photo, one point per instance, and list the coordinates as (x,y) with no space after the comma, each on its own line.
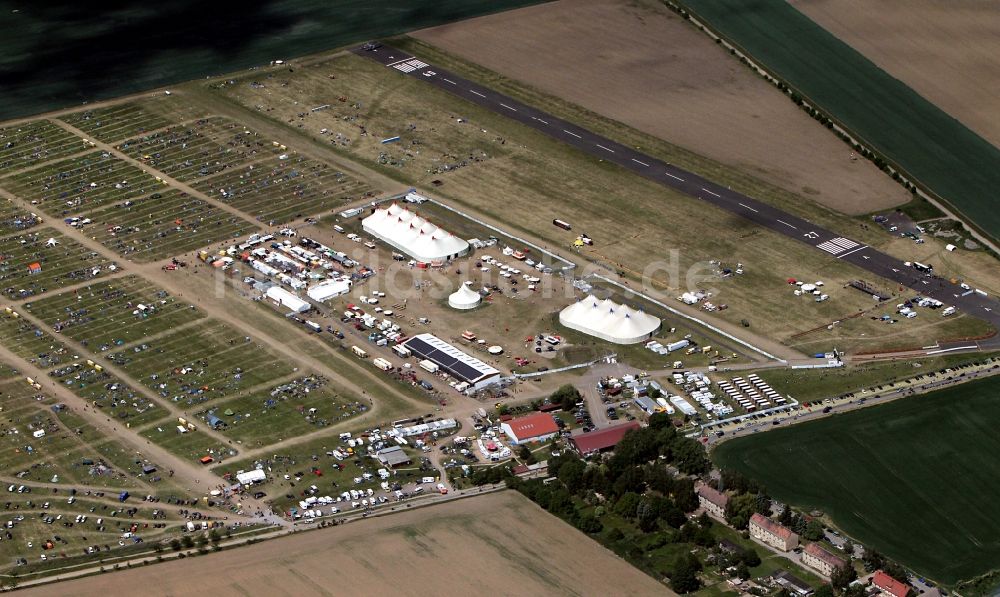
(609,321)
(413,235)
(464,298)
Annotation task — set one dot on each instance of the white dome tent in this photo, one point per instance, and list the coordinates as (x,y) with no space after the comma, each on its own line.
(413,235)
(464,298)
(607,320)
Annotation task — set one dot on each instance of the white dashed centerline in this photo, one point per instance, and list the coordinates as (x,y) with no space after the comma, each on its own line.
(476,92)
(710,192)
(642,163)
(508,107)
(604,148)
(672,176)
(572,133)
(540,120)
(448,81)
(744,205)
(786,224)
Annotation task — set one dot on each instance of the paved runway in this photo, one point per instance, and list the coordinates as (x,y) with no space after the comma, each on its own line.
(838,247)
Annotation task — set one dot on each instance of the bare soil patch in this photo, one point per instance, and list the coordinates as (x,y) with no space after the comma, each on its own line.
(639,64)
(945,51)
(501,544)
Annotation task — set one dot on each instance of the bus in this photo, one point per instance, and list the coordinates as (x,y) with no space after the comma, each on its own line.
(562,224)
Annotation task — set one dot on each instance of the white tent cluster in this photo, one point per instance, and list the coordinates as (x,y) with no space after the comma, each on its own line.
(609,321)
(413,235)
(464,298)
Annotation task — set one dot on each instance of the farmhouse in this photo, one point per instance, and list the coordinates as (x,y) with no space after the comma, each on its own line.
(607,320)
(771,533)
(538,427)
(403,229)
(393,457)
(457,363)
(712,501)
(601,441)
(889,586)
(821,560)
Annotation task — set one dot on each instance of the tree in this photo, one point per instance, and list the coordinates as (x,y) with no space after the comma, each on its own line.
(630,480)
(895,570)
(658,479)
(689,456)
(588,523)
(824,590)
(785,518)
(571,474)
(566,397)
(674,517)
(814,530)
(627,504)
(187,542)
(843,576)
(749,557)
(525,454)
(175,544)
(684,576)
(742,571)
(684,495)
(848,548)
(739,509)
(615,535)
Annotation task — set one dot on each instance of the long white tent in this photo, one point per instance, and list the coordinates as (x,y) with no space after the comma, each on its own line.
(609,321)
(413,235)
(464,298)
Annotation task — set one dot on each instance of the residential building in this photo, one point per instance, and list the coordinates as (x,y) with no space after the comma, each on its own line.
(793,583)
(889,586)
(771,533)
(821,560)
(712,501)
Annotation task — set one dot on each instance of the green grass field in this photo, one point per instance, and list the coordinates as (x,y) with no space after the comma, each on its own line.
(915,479)
(928,143)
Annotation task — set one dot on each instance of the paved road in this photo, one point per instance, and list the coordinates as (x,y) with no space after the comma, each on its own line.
(837,246)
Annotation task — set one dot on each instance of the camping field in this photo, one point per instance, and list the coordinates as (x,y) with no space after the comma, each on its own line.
(915,479)
(924,140)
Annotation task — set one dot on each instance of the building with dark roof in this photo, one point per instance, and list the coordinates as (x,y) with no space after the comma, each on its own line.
(458,364)
(596,442)
(793,583)
(393,457)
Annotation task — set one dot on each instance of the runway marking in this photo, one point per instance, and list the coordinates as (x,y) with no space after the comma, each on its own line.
(540,120)
(638,162)
(748,207)
(477,93)
(604,148)
(406,67)
(397,62)
(853,251)
(672,176)
(710,192)
(508,107)
(572,133)
(836,246)
(418,63)
(449,81)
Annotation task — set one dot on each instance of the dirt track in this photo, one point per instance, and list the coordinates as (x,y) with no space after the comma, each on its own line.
(639,64)
(945,51)
(499,544)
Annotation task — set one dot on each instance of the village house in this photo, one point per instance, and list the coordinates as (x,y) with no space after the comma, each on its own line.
(889,586)
(712,501)
(771,533)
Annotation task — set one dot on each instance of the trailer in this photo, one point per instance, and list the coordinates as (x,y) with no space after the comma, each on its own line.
(678,345)
(383,364)
(402,351)
(562,224)
(312,325)
(358,352)
(429,366)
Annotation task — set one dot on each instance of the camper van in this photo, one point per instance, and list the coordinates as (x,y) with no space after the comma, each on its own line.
(382,364)
(361,354)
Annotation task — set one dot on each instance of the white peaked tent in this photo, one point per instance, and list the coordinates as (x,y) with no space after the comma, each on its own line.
(609,321)
(464,298)
(413,235)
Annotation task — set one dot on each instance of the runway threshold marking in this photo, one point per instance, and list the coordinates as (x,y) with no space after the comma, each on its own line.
(477,93)
(746,206)
(672,176)
(508,107)
(711,193)
(604,148)
(640,162)
(398,61)
(786,224)
(572,133)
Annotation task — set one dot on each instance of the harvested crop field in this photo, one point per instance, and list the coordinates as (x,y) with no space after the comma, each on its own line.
(945,51)
(441,549)
(639,64)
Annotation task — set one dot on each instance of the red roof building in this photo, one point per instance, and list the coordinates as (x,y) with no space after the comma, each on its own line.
(713,501)
(889,586)
(821,560)
(532,428)
(599,441)
(772,533)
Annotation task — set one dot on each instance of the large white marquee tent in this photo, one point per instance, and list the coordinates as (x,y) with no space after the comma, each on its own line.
(413,235)
(609,321)
(464,298)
